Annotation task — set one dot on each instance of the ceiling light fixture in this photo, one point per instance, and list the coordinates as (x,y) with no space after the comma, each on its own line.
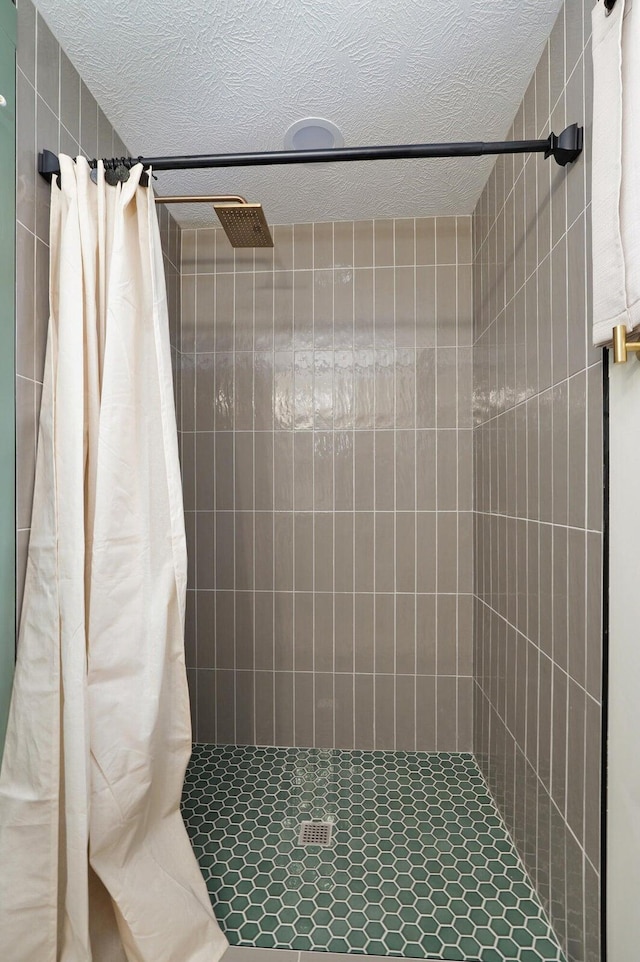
(313,133)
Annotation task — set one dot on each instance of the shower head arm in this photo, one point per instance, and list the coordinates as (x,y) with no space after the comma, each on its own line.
(201,199)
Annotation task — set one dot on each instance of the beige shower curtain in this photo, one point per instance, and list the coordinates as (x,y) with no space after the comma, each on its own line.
(95,863)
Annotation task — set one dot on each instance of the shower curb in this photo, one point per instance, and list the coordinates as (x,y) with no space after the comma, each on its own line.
(250,953)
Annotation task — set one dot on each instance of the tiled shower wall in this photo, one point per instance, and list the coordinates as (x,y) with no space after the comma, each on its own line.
(54,110)
(538,498)
(326,451)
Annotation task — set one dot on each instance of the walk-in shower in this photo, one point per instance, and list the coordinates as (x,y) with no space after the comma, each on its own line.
(325,416)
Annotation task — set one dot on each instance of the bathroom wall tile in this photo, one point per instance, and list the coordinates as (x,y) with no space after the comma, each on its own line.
(283,632)
(363,243)
(224,313)
(364,539)
(224,629)
(218,550)
(577,560)
(364,711)
(324,709)
(283,247)
(47,65)
(88,122)
(323,245)
(69,97)
(447,655)
(244,708)
(25,302)
(26,427)
(225,701)
(464,243)
(25,151)
(243,630)
(428,560)
(264,708)
(425,712)
(425,306)
(283,544)
(446,305)
(207,701)
(363,307)
(383,238)
(405,728)
(343,244)
(384,306)
(304,718)
(594,447)
(105,136)
(323,633)
(594,615)
(363,632)
(343,554)
(447,534)
(303,246)
(203,607)
(405,634)
(254,458)
(546,467)
(446,714)
(263,547)
(465,711)
(26,52)
(204,290)
(384,478)
(303,631)
(344,605)
(384,712)
(47,133)
(223,475)
(22,550)
(353,448)
(204,262)
(446,252)
(404,241)
(283,708)
(426,240)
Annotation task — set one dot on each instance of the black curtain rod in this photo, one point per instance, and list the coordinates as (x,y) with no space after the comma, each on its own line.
(564,148)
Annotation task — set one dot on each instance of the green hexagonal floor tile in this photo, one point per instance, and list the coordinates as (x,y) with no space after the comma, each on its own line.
(421,864)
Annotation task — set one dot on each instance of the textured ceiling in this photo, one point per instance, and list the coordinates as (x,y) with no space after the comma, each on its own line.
(233,75)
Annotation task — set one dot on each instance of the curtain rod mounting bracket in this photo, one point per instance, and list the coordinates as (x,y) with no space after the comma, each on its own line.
(48,164)
(567,146)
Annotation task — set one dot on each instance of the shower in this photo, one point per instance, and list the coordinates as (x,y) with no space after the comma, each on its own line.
(325,427)
(311,515)
(362,779)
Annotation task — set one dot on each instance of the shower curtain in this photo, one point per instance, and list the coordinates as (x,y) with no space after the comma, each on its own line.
(95,862)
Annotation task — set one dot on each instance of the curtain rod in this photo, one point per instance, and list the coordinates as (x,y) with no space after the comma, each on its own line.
(564,148)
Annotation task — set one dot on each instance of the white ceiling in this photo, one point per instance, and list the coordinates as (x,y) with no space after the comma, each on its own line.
(218,76)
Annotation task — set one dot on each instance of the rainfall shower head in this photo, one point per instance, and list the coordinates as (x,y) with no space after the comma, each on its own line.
(244,224)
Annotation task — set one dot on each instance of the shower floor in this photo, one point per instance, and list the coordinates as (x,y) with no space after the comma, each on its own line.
(420,864)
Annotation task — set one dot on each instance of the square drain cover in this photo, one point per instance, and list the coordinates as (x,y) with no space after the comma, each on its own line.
(315,833)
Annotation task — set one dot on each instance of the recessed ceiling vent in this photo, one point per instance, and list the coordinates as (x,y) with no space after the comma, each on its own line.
(313,133)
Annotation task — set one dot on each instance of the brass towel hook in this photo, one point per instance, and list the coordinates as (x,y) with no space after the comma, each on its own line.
(621,345)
